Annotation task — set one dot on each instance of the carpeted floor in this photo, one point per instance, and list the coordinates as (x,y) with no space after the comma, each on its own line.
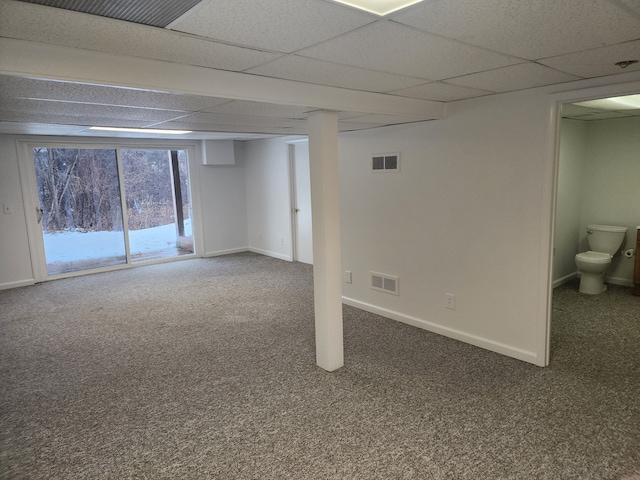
(204,369)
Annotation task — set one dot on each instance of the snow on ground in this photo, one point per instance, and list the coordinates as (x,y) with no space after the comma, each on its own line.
(71,246)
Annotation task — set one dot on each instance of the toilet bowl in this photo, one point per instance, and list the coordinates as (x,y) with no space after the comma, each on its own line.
(605,240)
(592,266)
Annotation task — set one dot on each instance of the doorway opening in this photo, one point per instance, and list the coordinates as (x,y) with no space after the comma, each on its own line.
(300,188)
(597,183)
(104,207)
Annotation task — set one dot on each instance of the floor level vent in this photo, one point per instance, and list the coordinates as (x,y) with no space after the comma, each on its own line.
(384,283)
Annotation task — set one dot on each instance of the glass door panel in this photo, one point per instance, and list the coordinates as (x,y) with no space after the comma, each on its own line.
(158,203)
(80,205)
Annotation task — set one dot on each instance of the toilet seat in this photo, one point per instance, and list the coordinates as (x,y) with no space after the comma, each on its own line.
(595,257)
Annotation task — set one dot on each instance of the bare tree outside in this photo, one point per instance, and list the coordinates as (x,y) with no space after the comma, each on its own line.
(79,192)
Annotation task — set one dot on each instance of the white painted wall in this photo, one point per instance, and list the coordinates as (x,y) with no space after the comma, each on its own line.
(468,214)
(462,217)
(15,262)
(573,158)
(268,197)
(223,199)
(611,192)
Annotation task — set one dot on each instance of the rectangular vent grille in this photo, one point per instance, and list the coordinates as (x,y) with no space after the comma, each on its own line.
(385,162)
(157,13)
(384,283)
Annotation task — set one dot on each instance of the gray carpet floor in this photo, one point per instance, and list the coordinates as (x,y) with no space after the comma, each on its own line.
(204,369)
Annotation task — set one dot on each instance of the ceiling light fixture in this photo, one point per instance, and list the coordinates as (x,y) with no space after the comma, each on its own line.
(141,130)
(379,7)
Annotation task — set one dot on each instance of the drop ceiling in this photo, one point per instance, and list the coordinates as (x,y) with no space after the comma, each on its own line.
(435,50)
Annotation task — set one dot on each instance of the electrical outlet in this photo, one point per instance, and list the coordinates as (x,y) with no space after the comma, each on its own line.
(7,208)
(450,301)
(347,276)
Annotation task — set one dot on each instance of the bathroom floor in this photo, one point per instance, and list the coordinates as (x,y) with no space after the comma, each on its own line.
(596,331)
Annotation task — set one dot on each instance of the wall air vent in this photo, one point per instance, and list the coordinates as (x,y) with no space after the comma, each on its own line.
(384,283)
(385,162)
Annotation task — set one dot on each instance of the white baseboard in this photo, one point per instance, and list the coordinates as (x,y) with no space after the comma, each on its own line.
(218,253)
(625,282)
(565,279)
(481,342)
(270,254)
(21,283)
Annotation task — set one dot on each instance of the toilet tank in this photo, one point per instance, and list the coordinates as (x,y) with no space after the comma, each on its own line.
(605,238)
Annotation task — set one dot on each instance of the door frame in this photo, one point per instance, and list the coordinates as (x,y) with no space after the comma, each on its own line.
(28,185)
(550,193)
(293,199)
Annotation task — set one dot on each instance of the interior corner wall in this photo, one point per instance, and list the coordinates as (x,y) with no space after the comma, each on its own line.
(15,260)
(268,202)
(568,223)
(461,217)
(223,205)
(611,190)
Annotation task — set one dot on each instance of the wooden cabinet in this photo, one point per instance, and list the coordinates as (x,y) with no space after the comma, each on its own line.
(636,270)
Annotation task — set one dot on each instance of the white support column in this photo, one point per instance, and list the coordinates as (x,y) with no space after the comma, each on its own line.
(325,207)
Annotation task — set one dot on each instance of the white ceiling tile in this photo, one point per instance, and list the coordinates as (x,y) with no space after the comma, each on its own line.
(573,110)
(514,77)
(604,116)
(219,127)
(11,128)
(280,25)
(18,87)
(530,29)
(631,6)
(244,107)
(302,69)
(62,27)
(195,135)
(227,119)
(352,126)
(401,50)
(44,107)
(379,119)
(55,119)
(598,62)
(440,92)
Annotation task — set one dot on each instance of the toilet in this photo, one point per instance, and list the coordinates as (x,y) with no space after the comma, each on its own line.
(604,241)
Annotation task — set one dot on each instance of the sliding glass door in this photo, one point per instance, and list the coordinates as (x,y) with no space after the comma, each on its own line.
(80,208)
(158,203)
(101,208)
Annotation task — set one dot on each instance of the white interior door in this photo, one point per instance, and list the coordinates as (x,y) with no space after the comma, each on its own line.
(301,180)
